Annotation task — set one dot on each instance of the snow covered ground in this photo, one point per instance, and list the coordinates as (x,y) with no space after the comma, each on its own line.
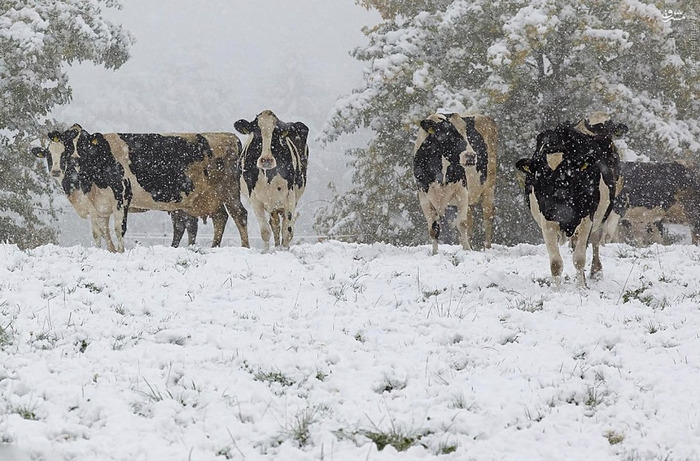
(334,351)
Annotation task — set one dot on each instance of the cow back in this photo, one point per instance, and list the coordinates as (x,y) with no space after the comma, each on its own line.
(196,172)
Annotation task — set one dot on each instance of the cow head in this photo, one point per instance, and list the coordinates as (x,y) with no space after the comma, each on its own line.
(62,153)
(269,136)
(643,226)
(600,126)
(448,131)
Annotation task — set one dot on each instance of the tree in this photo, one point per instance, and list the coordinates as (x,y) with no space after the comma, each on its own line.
(37,39)
(529,64)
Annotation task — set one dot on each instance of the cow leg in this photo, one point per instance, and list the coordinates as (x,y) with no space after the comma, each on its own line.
(95,228)
(275,226)
(102,225)
(469,210)
(488,214)
(609,234)
(192,225)
(265,230)
(596,239)
(288,218)
(120,227)
(431,216)
(550,233)
(288,227)
(219,219)
(177,218)
(465,219)
(240,217)
(584,233)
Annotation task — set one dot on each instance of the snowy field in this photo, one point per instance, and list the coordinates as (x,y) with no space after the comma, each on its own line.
(334,351)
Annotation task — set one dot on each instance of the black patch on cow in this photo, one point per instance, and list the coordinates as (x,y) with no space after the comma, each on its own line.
(606,130)
(664,185)
(651,185)
(442,141)
(435,229)
(570,192)
(479,145)
(98,166)
(296,132)
(160,163)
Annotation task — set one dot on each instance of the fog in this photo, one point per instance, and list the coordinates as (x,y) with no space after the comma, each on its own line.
(200,66)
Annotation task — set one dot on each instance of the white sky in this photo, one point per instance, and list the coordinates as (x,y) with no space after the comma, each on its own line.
(227,52)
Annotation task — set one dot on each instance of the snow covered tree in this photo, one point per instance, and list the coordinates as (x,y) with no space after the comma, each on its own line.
(37,39)
(529,64)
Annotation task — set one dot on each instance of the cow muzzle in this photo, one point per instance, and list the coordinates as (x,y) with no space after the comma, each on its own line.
(266,163)
(56,173)
(467,158)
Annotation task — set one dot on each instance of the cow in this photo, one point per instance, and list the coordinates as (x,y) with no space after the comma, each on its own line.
(273,173)
(454,163)
(570,184)
(197,173)
(94,187)
(652,195)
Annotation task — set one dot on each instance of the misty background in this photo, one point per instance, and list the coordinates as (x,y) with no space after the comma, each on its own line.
(200,66)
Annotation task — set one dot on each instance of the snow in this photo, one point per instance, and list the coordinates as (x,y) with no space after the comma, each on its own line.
(229,353)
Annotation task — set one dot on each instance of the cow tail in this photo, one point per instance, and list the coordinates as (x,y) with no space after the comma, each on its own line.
(610,180)
(128,195)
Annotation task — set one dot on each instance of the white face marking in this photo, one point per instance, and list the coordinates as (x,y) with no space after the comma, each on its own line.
(267,121)
(56,149)
(554,160)
(445,165)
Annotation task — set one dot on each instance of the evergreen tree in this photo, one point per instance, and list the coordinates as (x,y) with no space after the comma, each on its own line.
(529,64)
(37,39)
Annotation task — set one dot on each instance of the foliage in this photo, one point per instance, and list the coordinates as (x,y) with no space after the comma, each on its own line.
(37,39)
(390,9)
(529,64)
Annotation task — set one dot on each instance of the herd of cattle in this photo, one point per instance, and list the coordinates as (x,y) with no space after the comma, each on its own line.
(575,184)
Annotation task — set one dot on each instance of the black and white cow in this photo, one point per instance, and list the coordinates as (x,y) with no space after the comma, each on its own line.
(570,184)
(454,163)
(105,174)
(274,162)
(94,185)
(654,194)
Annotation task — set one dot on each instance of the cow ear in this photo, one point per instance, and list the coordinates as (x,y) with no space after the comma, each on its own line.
(73,133)
(299,129)
(39,152)
(620,129)
(523,165)
(429,126)
(243,126)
